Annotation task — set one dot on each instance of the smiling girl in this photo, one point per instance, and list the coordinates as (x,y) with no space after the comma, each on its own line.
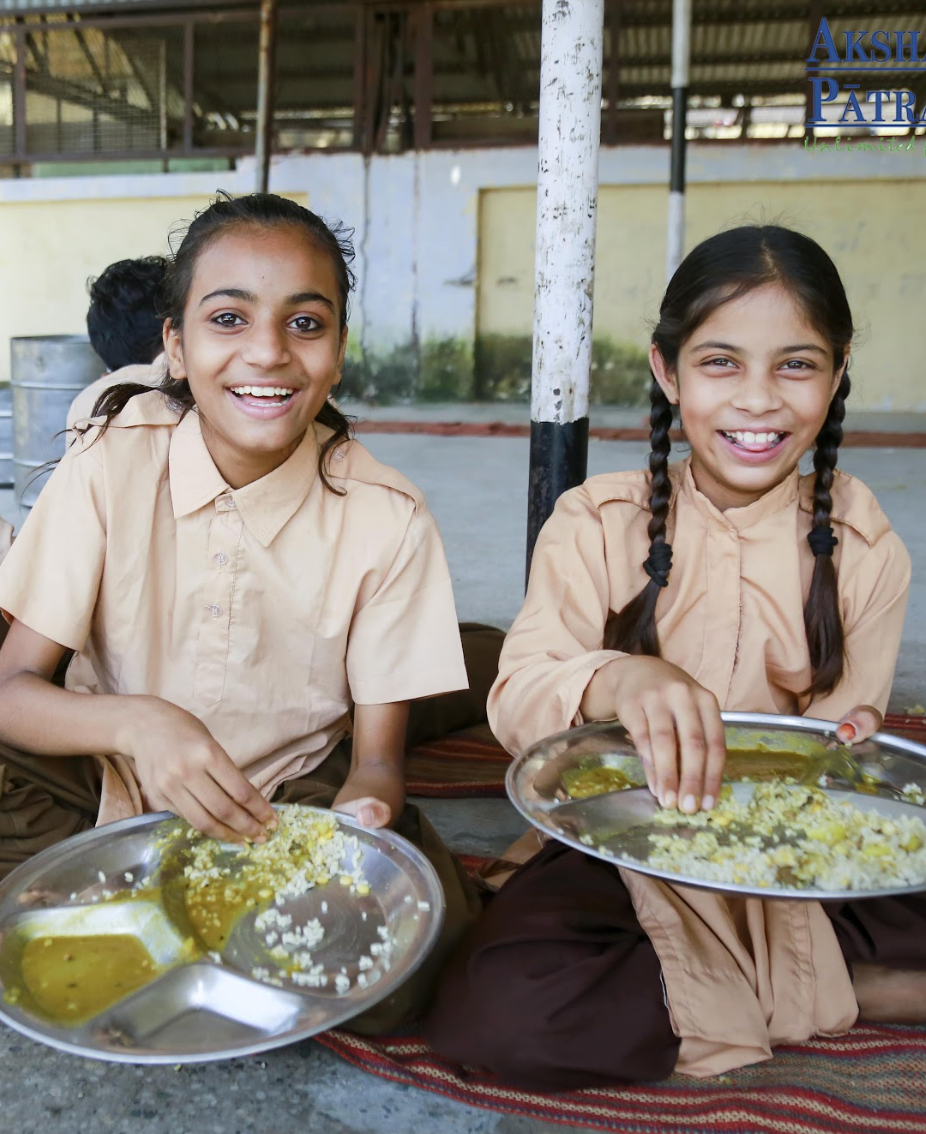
(726,581)
(235,575)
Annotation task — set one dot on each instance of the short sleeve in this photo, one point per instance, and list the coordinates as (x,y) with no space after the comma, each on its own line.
(554,646)
(50,578)
(873,601)
(404,640)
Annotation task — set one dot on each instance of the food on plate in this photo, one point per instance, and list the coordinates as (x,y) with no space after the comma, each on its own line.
(791,836)
(581,783)
(189,907)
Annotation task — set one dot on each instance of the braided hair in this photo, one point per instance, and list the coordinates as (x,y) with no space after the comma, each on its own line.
(822,620)
(634,629)
(720,269)
(226,214)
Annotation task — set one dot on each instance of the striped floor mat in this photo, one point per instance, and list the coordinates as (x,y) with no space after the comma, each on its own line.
(871,1081)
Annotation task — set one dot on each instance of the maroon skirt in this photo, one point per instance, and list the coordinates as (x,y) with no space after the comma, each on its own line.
(557,986)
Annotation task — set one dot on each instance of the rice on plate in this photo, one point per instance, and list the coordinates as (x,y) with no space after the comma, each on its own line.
(788,835)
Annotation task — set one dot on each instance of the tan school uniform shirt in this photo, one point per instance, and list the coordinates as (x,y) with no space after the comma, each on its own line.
(742,975)
(265,610)
(6,538)
(144,373)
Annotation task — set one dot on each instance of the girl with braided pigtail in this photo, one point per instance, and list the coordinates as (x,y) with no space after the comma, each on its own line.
(726,580)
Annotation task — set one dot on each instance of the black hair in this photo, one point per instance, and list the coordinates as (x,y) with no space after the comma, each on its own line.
(225,214)
(124,318)
(723,268)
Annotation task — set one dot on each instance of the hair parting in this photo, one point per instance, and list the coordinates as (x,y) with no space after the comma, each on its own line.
(718,270)
(226,214)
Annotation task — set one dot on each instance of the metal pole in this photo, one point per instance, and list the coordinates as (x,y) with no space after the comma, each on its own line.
(567,205)
(267,51)
(681,56)
(188,59)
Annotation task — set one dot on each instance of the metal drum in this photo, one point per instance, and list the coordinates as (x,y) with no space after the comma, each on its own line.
(6,437)
(46,374)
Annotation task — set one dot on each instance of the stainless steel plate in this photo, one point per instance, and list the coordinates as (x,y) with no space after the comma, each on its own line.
(207,1009)
(618,823)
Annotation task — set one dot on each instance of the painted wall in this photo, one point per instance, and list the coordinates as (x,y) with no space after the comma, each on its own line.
(444,252)
(866,227)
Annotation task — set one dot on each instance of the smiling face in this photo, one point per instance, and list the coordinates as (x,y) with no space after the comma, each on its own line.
(261,345)
(754,382)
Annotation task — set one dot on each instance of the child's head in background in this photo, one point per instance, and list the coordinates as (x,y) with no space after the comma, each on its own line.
(125,317)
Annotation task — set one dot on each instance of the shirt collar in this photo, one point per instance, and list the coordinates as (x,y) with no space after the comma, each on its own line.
(740,519)
(265,505)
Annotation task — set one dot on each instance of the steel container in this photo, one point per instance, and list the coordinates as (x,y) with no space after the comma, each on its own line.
(46,374)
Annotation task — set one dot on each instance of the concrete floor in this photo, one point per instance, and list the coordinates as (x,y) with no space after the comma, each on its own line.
(477,489)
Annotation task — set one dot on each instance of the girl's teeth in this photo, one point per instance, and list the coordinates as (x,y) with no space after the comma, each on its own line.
(747,437)
(262,391)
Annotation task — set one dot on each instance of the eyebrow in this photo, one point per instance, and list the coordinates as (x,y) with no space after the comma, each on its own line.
(249,297)
(784,350)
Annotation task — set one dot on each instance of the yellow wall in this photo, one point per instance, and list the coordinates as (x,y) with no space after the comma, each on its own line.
(868,227)
(48,250)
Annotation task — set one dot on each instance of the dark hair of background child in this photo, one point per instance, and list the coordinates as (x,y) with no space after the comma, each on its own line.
(225,214)
(721,269)
(124,318)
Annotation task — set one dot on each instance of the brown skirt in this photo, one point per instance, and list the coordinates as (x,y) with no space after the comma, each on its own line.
(558,987)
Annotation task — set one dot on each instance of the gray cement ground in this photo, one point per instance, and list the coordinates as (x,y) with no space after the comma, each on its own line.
(477,488)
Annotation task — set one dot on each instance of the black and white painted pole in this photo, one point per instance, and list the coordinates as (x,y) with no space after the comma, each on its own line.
(681,55)
(567,205)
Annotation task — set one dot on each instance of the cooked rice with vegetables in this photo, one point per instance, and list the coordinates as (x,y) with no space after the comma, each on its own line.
(308,849)
(791,836)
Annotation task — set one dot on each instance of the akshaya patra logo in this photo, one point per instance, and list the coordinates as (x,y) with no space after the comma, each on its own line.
(878,59)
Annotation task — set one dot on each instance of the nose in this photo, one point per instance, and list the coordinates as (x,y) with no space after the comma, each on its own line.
(757,392)
(265,346)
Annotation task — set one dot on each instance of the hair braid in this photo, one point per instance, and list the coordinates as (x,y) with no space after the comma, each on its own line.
(822,621)
(633,630)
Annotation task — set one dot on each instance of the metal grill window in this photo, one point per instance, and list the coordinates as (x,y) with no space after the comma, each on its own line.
(7,141)
(89,92)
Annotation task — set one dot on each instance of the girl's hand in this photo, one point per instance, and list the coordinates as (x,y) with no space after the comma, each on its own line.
(182,769)
(374,793)
(673,722)
(858,724)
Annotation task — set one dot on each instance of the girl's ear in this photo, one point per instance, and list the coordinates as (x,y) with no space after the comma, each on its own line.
(173,348)
(840,370)
(663,375)
(341,351)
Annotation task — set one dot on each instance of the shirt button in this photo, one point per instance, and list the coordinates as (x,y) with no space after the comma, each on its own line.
(221,558)
(215,611)
(225,503)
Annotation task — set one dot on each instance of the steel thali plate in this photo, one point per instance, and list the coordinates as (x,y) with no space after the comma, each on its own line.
(615,826)
(210,1007)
